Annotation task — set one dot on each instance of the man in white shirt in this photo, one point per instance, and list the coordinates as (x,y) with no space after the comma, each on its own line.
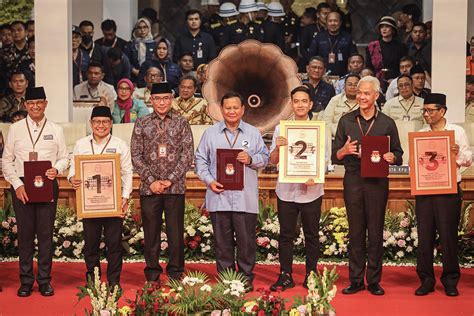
(440,212)
(95,89)
(102,142)
(294,198)
(34,138)
(406,63)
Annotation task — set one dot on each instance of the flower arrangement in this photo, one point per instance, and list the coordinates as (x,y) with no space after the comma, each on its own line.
(265,304)
(150,300)
(103,298)
(229,292)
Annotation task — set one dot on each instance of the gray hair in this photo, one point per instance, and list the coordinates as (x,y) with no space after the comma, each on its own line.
(372,80)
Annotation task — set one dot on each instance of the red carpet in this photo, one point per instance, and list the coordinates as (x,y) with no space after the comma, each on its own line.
(399,283)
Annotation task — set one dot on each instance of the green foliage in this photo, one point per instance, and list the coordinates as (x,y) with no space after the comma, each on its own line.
(230,290)
(12,10)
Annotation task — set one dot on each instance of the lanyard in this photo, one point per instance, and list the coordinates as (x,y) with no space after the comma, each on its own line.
(370,126)
(90,93)
(31,137)
(92,146)
(333,46)
(409,108)
(235,139)
(349,106)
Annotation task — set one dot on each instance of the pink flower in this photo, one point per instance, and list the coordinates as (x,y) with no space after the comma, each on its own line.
(15,243)
(5,224)
(386,234)
(6,240)
(164,245)
(104,313)
(14,229)
(66,244)
(216,313)
(102,245)
(401,243)
(404,222)
(263,241)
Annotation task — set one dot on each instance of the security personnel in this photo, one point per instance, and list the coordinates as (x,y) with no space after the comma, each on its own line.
(30,139)
(407,106)
(246,28)
(290,23)
(220,31)
(102,142)
(272,25)
(440,212)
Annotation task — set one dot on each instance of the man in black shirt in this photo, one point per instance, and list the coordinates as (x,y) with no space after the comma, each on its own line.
(110,38)
(365,198)
(420,48)
(199,43)
(246,27)
(273,30)
(321,91)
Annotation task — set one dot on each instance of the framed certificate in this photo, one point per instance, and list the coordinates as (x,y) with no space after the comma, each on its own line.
(304,157)
(100,194)
(432,164)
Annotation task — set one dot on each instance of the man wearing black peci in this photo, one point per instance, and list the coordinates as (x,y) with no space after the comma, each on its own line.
(365,198)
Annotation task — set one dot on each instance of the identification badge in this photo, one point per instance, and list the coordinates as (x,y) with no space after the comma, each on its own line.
(406,118)
(199,53)
(33,156)
(339,56)
(332,58)
(162,151)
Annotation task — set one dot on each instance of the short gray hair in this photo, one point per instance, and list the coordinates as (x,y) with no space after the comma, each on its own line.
(372,80)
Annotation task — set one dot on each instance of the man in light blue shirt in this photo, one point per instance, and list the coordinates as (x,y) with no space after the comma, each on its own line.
(233,211)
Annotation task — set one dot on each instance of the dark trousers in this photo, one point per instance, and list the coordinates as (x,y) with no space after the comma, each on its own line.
(153,207)
(35,219)
(365,200)
(438,213)
(227,224)
(112,227)
(287,217)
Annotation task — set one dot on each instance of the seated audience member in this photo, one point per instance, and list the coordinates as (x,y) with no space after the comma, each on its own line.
(186,64)
(153,75)
(419,48)
(16,100)
(118,66)
(162,59)
(142,46)
(28,65)
(19,115)
(30,29)
(194,109)
(406,63)
(321,91)
(201,76)
(470,99)
(6,38)
(94,89)
(410,15)
(342,103)
(383,55)
(418,76)
(110,38)
(127,109)
(355,65)
(80,58)
(407,106)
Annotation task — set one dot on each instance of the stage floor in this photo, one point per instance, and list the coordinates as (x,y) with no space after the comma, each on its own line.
(399,283)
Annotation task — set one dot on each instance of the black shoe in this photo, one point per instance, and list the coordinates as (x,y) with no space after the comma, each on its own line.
(284,282)
(25,290)
(46,289)
(425,288)
(376,289)
(451,290)
(353,288)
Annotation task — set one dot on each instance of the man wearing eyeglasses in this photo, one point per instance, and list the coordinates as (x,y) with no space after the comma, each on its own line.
(34,139)
(441,212)
(102,142)
(153,75)
(406,106)
(162,153)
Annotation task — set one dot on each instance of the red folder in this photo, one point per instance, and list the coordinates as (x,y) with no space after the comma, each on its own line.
(230,172)
(372,163)
(37,186)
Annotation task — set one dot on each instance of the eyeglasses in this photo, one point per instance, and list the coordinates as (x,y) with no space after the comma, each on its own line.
(351,85)
(159,99)
(430,111)
(124,88)
(101,122)
(154,75)
(404,85)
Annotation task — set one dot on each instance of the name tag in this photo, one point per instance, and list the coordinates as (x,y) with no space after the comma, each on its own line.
(162,151)
(111,150)
(48,137)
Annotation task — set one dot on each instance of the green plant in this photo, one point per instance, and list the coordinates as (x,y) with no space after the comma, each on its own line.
(230,290)
(149,301)
(13,10)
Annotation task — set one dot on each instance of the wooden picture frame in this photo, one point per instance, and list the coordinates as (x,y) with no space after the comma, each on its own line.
(432,163)
(100,193)
(305,157)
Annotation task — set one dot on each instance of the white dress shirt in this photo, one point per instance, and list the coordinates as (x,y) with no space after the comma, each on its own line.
(115,146)
(84,92)
(464,157)
(50,146)
(300,192)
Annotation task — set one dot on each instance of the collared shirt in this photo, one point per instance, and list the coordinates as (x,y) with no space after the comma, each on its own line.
(9,105)
(470,112)
(50,146)
(348,126)
(115,146)
(193,109)
(250,140)
(422,56)
(400,109)
(143,94)
(11,57)
(84,92)
(202,47)
(152,132)
(464,157)
(392,90)
(337,107)
(423,93)
(322,93)
(299,192)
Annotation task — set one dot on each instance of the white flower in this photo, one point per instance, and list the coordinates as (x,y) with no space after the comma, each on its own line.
(391,240)
(274,243)
(57,252)
(190,231)
(163,236)
(400,254)
(323,239)
(77,252)
(409,249)
(206,288)
(386,234)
